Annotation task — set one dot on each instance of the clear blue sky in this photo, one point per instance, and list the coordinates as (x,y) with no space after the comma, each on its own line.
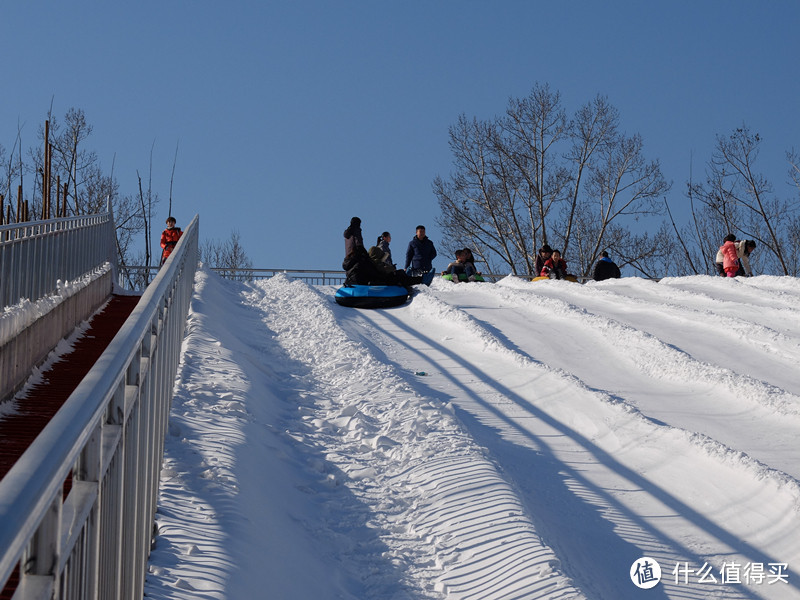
(292,117)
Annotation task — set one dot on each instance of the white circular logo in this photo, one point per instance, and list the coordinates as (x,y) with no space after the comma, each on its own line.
(645,573)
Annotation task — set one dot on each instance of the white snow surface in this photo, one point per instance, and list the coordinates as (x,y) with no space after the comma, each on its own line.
(484,441)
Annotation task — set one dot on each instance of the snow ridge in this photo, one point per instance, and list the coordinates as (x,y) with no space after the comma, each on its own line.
(657,359)
(649,351)
(391,443)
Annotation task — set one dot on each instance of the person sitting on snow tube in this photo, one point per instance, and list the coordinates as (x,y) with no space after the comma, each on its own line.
(456,268)
(395,276)
(555,267)
(470,271)
(383,242)
(361,270)
(545,253)
(353,236)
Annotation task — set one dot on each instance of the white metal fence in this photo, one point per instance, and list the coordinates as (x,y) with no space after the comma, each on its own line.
(109,435)
(310,276)
(129,274)
(36,254)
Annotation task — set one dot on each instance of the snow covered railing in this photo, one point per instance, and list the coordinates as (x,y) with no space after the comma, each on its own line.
(109,438)
(35,255)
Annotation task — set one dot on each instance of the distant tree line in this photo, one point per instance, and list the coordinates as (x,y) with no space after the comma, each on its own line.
(536,175)
(229,256)
(61,176)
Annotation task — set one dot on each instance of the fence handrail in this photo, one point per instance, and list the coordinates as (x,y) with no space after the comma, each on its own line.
(27,228)
(314,274)
(34,255)
(32,486)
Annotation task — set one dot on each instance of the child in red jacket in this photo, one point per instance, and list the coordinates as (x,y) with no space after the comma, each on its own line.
(169,237)
(555,267)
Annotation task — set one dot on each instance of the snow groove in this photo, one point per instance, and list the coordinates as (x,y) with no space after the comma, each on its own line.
(647,351)
(383,435)
(653,357)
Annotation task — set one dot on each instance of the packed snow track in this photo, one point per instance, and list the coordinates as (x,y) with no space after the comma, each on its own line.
(485,441)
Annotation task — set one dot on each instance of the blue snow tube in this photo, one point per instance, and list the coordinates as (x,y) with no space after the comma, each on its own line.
(371,296)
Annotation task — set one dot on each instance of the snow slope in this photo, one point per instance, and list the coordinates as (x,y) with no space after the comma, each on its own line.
(485,441)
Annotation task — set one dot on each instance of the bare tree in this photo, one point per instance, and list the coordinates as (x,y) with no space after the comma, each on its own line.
(172,179)
(87,187)
(229,256)
(622,184)
(736,198)
(534,129)
(476,208)
(13,170)
(533,176)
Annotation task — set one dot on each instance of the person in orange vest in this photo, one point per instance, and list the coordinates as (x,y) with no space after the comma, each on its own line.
(169,237)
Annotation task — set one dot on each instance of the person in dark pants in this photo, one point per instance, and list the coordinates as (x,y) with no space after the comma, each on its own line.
(420,253)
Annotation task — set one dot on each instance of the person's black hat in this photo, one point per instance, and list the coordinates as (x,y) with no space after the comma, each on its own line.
(546,248)
(355,222)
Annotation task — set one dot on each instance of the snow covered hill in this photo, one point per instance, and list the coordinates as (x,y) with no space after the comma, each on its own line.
(485,441)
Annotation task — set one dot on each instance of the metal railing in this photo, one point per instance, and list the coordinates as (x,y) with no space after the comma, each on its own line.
(310,276)
(36,254)
(109,437)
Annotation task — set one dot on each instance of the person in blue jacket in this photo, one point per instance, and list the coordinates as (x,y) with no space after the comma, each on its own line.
(420,253)
(606,268)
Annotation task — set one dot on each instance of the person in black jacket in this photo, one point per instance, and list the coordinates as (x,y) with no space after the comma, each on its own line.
(420,253)
(360,269)
(605,268)
(352,236)
(545,253)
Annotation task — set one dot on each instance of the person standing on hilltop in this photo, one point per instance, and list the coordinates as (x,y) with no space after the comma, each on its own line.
(169,238)
(420,253)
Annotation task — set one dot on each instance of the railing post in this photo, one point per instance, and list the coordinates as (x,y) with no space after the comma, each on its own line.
(42,555)
(88,469)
